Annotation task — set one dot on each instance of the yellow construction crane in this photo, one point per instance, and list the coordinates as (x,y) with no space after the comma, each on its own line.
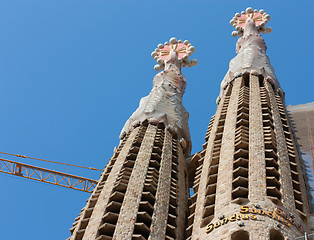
(47,175)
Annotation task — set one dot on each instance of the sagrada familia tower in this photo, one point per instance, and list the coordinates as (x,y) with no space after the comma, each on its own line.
(248,182)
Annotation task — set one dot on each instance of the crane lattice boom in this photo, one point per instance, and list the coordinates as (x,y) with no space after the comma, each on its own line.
(47,175)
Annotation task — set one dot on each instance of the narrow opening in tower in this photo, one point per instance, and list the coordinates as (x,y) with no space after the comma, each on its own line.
(261,80)
(241,145)
(273,184)
(275,235)
(240,235)
(298,199)
(198,160)
(246,79)
(211,184)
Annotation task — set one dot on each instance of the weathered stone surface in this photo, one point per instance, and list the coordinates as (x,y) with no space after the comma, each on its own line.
(164,103)
(251,57)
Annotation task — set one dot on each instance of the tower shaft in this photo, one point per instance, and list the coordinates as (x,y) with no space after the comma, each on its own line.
(249,184)
(141,194)
(249,181)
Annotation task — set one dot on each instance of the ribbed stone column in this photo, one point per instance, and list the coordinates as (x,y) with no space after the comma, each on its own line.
(92,217)
(257,178)
(225,124)
(182,194)
(225,170)
(159,218)
(198,224)
(257,174)
(297,174)
(207,186)
(283,157)
(224,182)
(127,217)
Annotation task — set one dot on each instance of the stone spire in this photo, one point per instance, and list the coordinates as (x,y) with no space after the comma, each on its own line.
(248,182)
(164,102)
(142,193)
(250,48)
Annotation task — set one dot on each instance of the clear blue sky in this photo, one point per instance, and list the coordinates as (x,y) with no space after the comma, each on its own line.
(72,72)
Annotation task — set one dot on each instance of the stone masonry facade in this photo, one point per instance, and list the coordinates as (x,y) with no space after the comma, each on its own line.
(142,193)
(248,181)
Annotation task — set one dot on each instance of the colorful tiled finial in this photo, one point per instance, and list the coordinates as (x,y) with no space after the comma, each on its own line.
(182,49)
(259,17)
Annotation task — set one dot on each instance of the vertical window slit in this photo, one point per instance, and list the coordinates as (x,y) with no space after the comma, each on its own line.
(83,218)
(146,207)
(273,185)
(199,159)
(171,232)
(111,214)
(211,184)
(292,159)
(240,175)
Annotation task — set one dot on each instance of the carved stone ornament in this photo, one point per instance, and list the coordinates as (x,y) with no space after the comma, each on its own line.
(164,102)
(250,48)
